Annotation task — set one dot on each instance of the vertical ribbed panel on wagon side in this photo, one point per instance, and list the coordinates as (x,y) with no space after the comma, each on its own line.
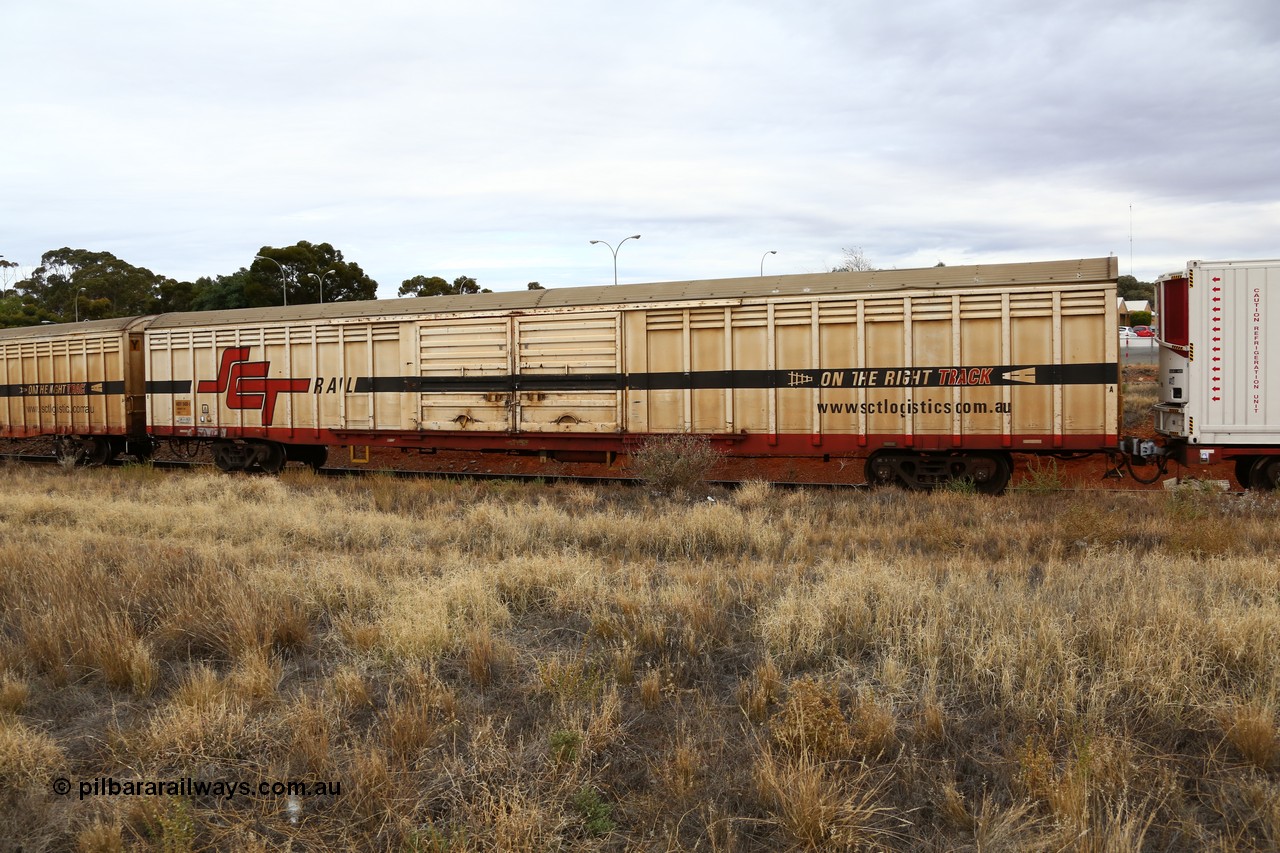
(947,360)
(1015,357)
(81,379)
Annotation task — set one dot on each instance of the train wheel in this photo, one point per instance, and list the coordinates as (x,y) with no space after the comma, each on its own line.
(1266,474)
(67,450)
(990,473)
(317,457)
(271,457)
(106,450)
(227,456)
(90,451)
(1244,470)
(880,471)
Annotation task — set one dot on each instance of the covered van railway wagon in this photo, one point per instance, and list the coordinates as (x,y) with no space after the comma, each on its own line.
(1015,357)
(82,382)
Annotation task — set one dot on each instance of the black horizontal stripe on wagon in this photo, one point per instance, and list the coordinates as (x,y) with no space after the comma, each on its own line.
(1098,373)
(62,389)
(175,386)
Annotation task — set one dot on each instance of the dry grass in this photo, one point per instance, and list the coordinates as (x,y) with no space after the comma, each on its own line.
(530,667)
(675,464)
(1139,398)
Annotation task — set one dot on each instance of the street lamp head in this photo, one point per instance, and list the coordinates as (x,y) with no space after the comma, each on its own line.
(762,257)
(614,251)
(284,282)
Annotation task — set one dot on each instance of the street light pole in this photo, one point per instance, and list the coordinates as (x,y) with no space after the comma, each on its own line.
(284,283)
(79,290)
(762,257)
(615,252)
(320,281)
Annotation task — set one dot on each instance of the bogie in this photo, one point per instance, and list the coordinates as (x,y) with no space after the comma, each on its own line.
(86,450)
(264,456)
(988,472)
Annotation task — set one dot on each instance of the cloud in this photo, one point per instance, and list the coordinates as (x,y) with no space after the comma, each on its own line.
(496,138)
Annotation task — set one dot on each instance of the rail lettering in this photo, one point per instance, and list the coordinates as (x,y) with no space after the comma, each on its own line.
(335,385)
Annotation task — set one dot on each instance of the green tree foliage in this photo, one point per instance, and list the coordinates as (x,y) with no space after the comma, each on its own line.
(421,285)
(221,293)
(17,307)
(174,295)
(297,264)
(19,310)
(92,285)
(533,285)
(1129,287)
(71,283)
(466,284)
(1140,318)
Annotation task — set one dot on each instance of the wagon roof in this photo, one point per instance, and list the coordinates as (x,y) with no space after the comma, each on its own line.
(1089,271)
(58,330)
(1085,272)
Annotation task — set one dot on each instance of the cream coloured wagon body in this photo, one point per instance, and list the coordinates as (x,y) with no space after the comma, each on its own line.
(1014,357)
(82,383)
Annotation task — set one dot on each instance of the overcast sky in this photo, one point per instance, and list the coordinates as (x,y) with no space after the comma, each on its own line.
(495,138)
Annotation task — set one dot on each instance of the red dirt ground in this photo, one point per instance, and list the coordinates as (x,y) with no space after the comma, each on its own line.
(1086,473)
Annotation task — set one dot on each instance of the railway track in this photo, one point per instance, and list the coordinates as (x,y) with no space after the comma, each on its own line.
(337,471)
(548,477)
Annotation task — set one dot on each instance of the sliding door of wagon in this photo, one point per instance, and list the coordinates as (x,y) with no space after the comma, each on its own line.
(465,371)
(568,367)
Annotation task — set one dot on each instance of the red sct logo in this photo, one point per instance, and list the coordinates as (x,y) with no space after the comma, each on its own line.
(246,384)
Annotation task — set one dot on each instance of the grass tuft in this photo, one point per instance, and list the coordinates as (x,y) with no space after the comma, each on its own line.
(558,667)
(675,464)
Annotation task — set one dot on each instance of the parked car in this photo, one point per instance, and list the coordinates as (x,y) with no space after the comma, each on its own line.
(1144,331)
(1126,332)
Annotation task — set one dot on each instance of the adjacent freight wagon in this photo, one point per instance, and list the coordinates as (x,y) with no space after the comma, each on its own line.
(82,384)
(929,374)
(1219,340)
